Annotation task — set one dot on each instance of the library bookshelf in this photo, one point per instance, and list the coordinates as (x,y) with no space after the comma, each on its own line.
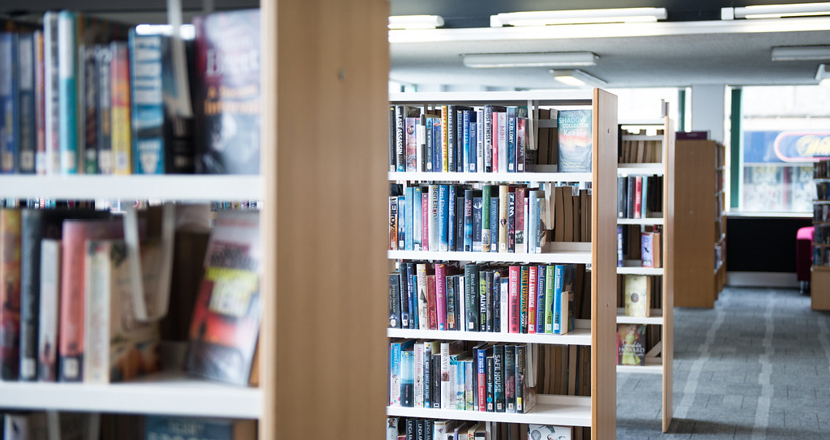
(322,214)
(699,261)
(820,270)
(658,360)
(597,411)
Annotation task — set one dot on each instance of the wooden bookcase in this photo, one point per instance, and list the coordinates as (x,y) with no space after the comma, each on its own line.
(663,317)
(322,188)
(820,272)
(599,410)
(698,275)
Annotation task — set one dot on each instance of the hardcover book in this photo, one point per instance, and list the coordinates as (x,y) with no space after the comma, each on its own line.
(9,141)
(47,344)
(631,339)
(162,427)
(575,141)
(541,432)
(225,324)
(227,92)
(637,296)
(9,293)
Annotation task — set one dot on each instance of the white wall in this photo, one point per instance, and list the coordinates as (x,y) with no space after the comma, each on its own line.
(708,110)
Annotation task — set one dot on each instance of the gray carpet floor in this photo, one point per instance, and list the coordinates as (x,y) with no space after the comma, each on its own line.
(757,366)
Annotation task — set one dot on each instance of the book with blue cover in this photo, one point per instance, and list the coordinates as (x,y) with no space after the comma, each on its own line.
(575,141)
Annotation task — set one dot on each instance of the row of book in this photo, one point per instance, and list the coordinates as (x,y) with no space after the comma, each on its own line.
(821,256)
(823,190)
(410,428)
(42,425)
(640,150)
(487,218)
(488,138)
(821,212)
(85,293)
(821,235)
(87,95)
(640,246)
(515,299)
(821,169)
(639,196)
(452,375)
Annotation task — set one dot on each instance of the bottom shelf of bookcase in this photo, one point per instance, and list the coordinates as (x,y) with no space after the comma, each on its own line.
(166,393)
(549,410)
(654,365)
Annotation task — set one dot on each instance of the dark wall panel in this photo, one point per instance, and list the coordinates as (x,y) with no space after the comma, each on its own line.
(762,244)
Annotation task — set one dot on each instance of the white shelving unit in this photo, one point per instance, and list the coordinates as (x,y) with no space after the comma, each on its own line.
(596,411)
(663,317)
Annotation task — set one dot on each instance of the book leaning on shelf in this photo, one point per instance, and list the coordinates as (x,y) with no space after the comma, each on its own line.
(410,428)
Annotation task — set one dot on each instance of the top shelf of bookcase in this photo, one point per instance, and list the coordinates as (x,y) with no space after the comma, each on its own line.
(490,177)
(636,122)
(564,98)
(159,187)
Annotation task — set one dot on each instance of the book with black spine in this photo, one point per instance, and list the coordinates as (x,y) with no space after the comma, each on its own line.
(471,296)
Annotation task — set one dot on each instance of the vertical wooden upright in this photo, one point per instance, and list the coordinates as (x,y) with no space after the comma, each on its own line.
(668,272)
(694,214)
(603,273)
(325,67)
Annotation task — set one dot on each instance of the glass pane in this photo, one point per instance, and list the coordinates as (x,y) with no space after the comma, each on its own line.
(763,189)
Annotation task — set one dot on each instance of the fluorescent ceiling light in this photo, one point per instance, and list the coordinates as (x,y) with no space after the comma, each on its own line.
(415,21)
(823,76)
(779,11)
(801,53)
(549,59)
(578,16)
(576,78)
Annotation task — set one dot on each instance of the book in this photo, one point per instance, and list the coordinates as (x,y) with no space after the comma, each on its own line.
(537,432)
(631,344)
(407,377)
(75,233)
(51,95)
(48,323)
(88,91)
(121,137)
(10,294)
(503,209)
(26,68)
(637,291)
(575,141)
(118,346)
(22,426)
(227,91)
(225,324)
(9,124)
(39,103)
(647,249)
(197,428)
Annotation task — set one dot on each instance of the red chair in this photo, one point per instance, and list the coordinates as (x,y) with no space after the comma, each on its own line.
(804,257)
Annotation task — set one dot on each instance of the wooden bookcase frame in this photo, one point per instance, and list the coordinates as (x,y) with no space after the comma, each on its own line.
(598,411)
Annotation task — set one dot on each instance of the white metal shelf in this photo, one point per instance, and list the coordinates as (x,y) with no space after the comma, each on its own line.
(489,177)
(641,221)
(166,393)
(579,336)
(629,122)
(652,366)
(633,267)
(557,97)
(642,137)
(549,410)
(564,253)
(629,169)
(145,187)
(656,317)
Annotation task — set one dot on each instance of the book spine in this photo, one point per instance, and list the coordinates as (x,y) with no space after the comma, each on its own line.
(120,108)
(638,196)
(469,390)
(513,299)
(504,191)
(394,300)
(97,289)
(538,199)
(441,295)
(444,139)
(521,248)
(502,134)
(496,299)
(31,221)
(408,220)
(630,194)
(412,288)
(510,378)
(147,111)
(461,292)
(568,298)
(429,140)
(9,153)
(426,215)
(482,300)
(621,199)
(443,214)
(459,220)
(10,229)
(488,300)
(446,400)
(417,218)
(103,61)
(459,140)
(427,375)
(51,93)
(549,283)
(452,141)
(531,298)
(451,304)
(520,378)
(50,262)
(540,299)
(432,309)
(403,289)
(411,143)
(432,222)
(395,374)
(504,301)
(524,274)
(620,255)
(392,153)
(487,130)
(402,222)
(478,224)
(418,388)
(400,157)
(521,146)
(422,144)
(644,198)
(490,368)
(498,378)
(469,152)
(26,102)
(533,214)
(451,220)
(485,218)
(437,165)
(468,220)
(511,222)
(511,139)
(458,384)
(423,309)
(494,223)
(88,102)
(68,89)
(393,223)
(407,378)
(481,374)
(40,103)
(479,145)
(557,299)
(471,297)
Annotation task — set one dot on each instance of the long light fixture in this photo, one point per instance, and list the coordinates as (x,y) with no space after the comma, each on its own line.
(801,53)
(823,76)
(544,59)
(578,16)
(776,11)
(576,78)
(415,21)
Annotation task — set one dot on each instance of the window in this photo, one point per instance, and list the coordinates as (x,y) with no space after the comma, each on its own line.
(783,128)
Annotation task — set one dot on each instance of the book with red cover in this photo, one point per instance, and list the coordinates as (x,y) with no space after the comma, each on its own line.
(72,300)
(513,299)
(533,278)
(225,324)
(441,295)
(638,196)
